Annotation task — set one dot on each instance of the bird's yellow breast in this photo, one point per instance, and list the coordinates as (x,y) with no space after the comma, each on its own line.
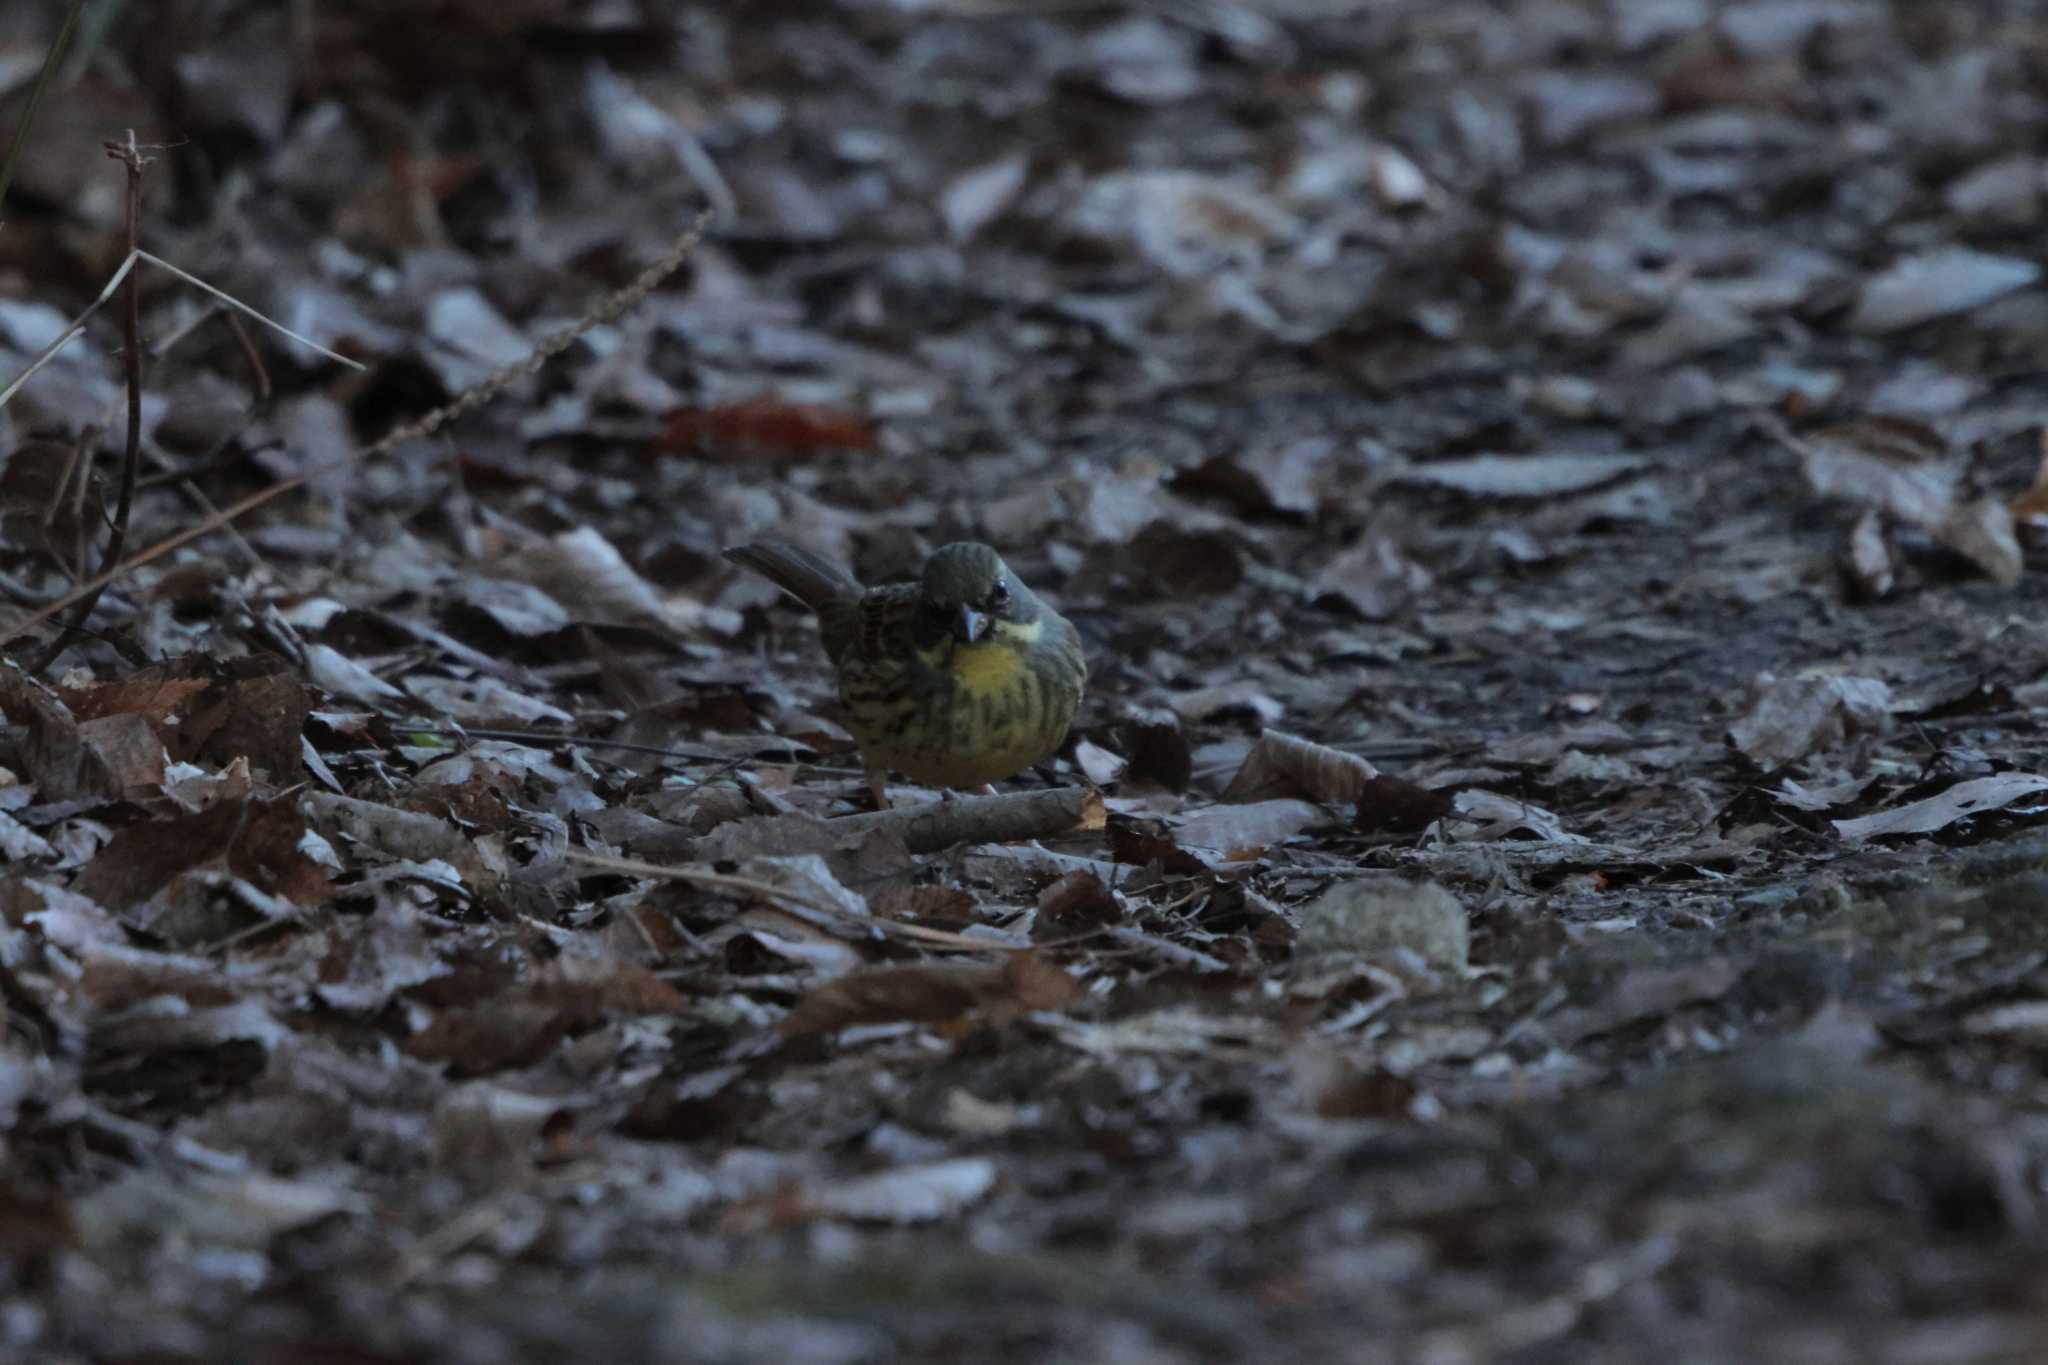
(994,720)
(994,664)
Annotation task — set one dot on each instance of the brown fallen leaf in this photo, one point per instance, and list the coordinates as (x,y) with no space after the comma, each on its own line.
(520,1027)
(490,1134)
(254,709)
(1283,764)
(1078,901)
(257,841)
(1140,843)
(1157,749)
(492,1037)
(1339,1088)
(930,993)
(70,760)
(1394,805)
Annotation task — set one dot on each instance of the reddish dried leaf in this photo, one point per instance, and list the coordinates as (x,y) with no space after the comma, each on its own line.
(1139,844)
(490,1037)
(889,994)
(925,904)
(154,698)
(763,430)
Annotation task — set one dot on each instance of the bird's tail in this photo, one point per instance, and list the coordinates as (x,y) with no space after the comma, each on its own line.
(812,579)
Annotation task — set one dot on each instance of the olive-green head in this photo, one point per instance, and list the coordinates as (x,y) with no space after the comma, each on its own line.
(967,591)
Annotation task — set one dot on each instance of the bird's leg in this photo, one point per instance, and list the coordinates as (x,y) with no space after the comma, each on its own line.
(878,788)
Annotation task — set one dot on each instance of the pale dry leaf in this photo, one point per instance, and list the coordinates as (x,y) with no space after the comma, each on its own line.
(1792,717)
(907,1194)
(586,574)
(1932,284)
(1189,225)
(1908,471)
(976,198)
(1098,764)
(241,1209)
(1965,799)
(1870,557)
(1250,828)
(340,676)
(1524,476)
(1500,816)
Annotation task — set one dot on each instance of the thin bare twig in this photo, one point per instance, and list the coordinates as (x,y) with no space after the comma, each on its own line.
(231,301)
(614,305)
(121,272)
(130,156)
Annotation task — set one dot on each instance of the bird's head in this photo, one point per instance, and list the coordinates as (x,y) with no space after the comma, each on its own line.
(970,595)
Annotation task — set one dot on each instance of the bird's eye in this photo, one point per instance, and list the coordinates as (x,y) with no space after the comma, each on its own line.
(999,595)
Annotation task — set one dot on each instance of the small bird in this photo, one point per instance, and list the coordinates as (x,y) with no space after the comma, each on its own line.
(956,680)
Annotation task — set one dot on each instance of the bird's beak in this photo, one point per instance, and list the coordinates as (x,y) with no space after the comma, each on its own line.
(969,625)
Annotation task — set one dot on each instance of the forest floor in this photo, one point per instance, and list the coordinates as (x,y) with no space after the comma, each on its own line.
(1550,492)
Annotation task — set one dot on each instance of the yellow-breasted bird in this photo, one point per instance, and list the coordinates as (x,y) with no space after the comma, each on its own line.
(956,680)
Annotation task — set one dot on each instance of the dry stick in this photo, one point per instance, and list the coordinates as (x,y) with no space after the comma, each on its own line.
(614,305)
(940,825)
(786,897)
(130,156)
